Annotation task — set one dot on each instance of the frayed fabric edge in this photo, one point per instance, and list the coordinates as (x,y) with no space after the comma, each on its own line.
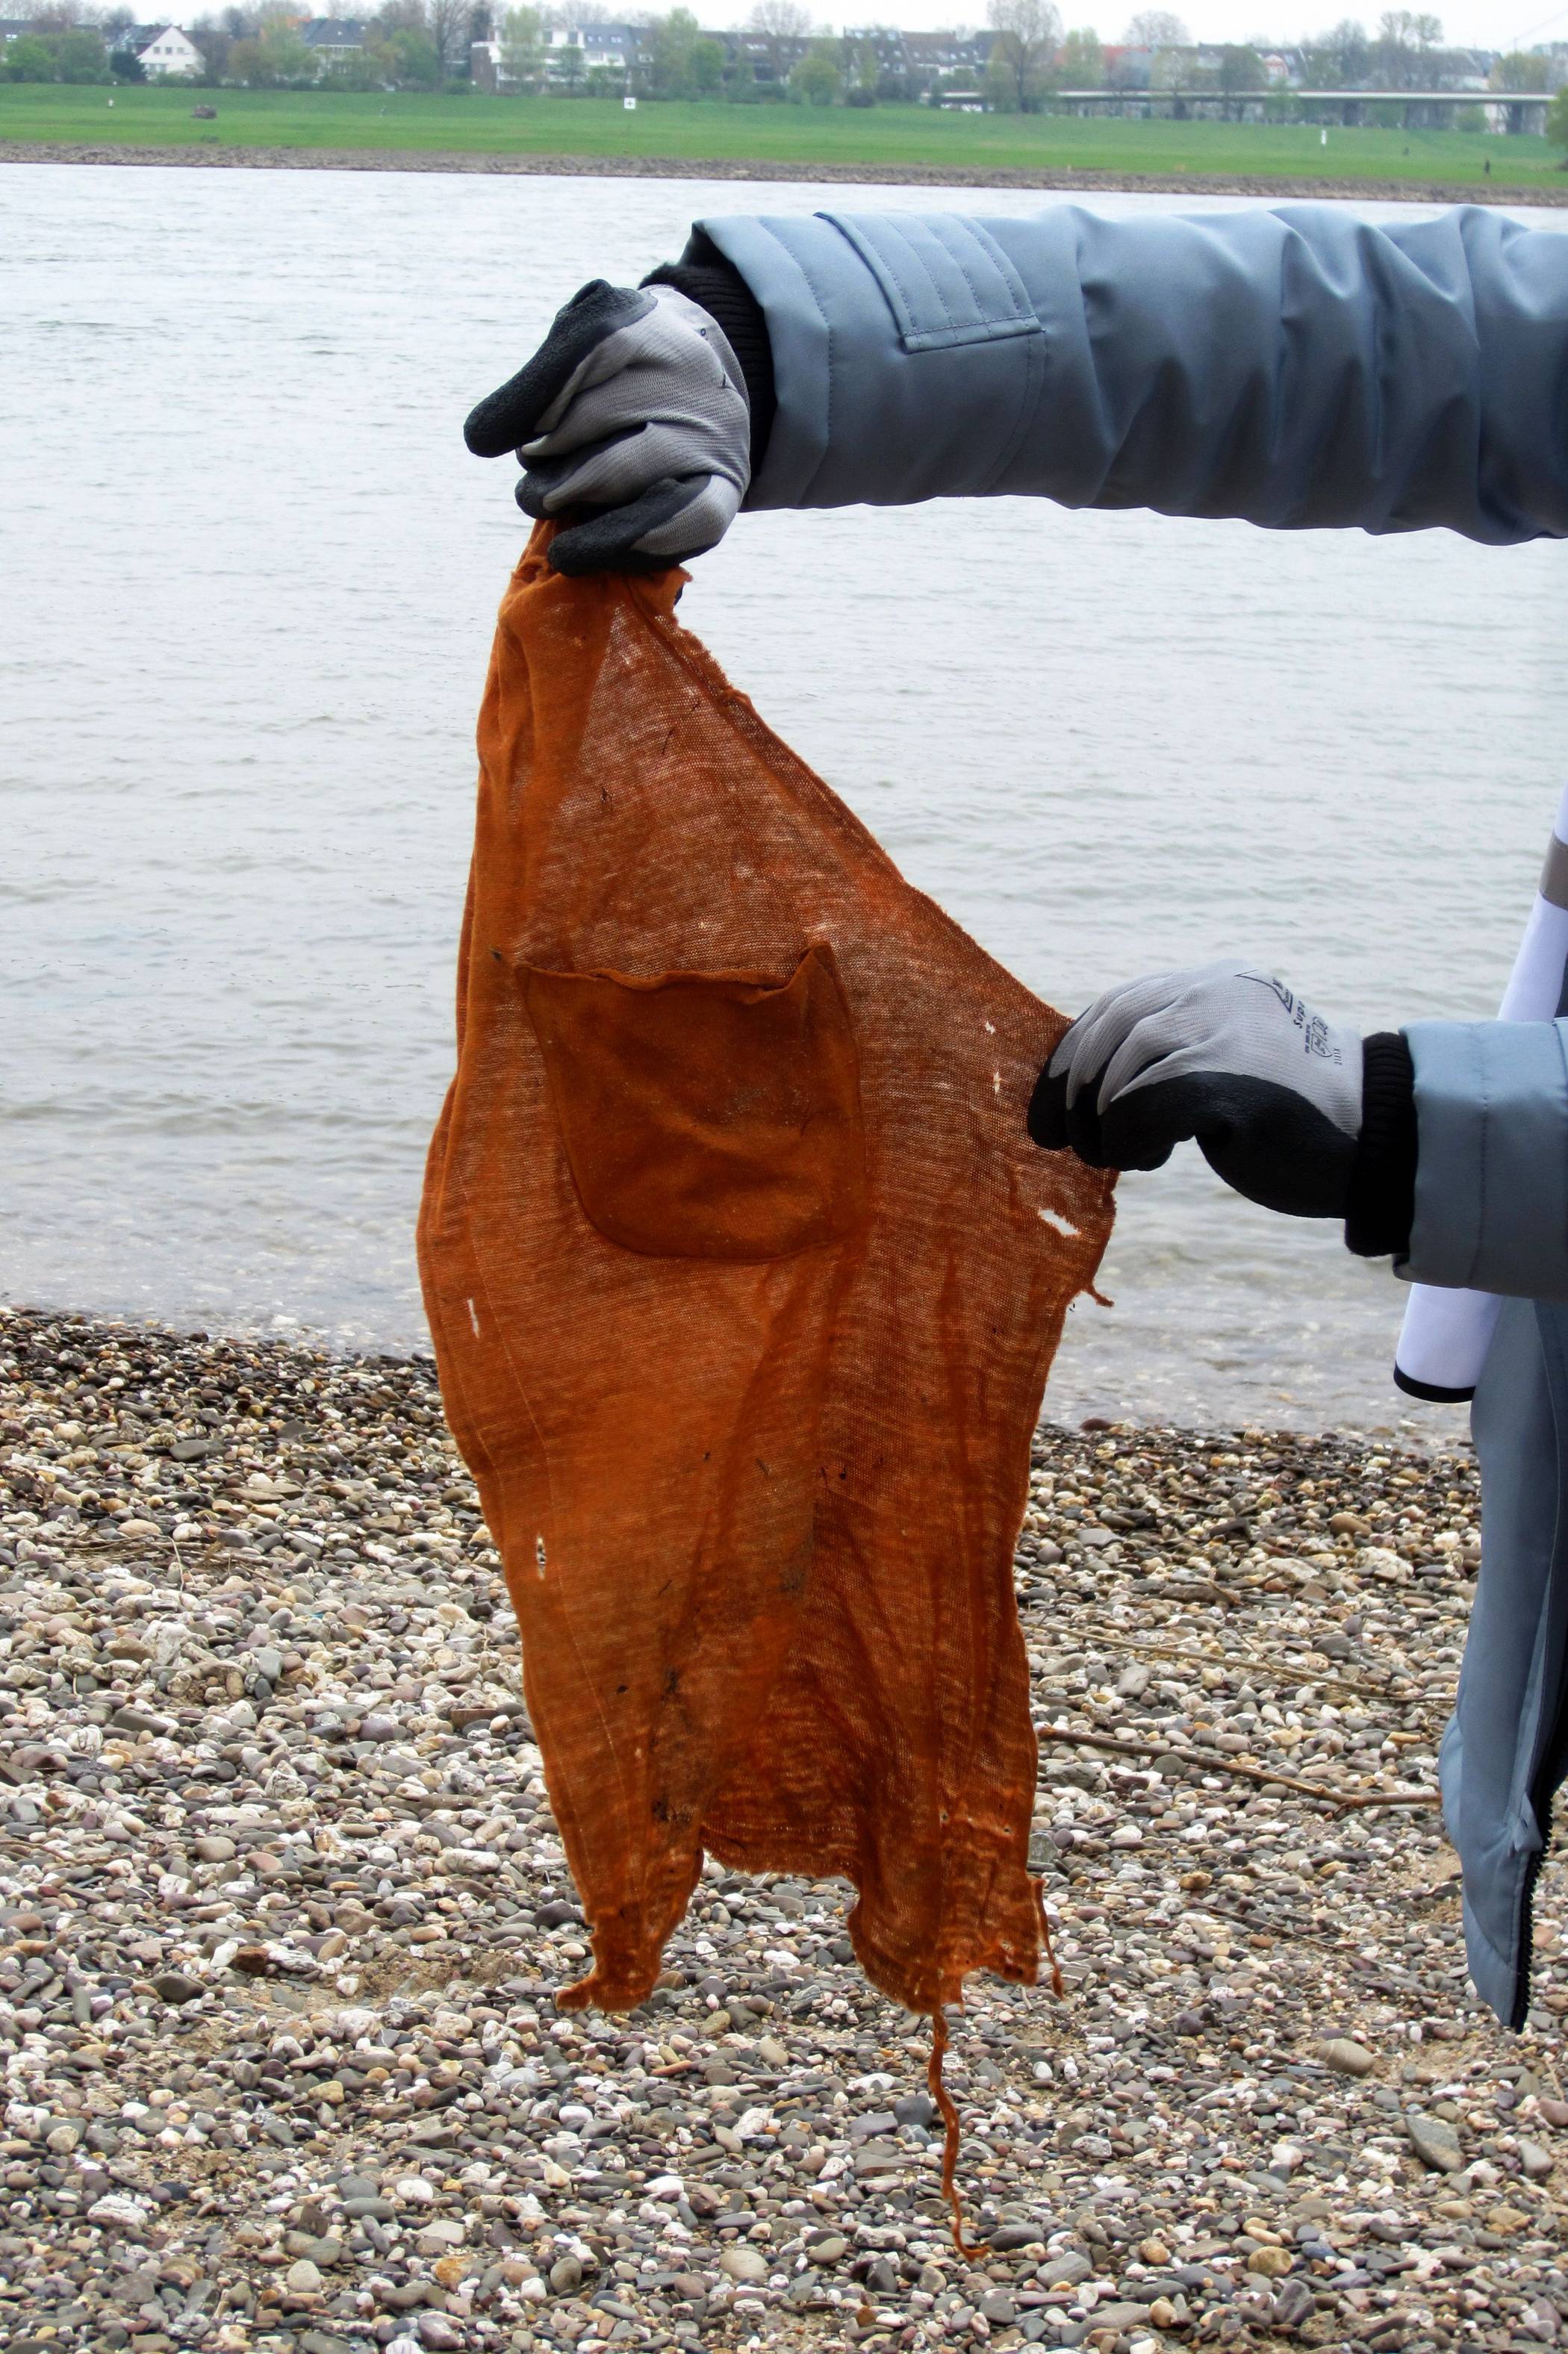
(952,2133)
(952,2130)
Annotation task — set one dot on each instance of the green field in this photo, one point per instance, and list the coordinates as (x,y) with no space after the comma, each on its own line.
(879,136)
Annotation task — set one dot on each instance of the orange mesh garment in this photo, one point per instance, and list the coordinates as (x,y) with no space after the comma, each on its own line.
(744,1278)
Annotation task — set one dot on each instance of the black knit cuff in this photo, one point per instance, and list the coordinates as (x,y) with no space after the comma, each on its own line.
(1381,1208)
(716,286)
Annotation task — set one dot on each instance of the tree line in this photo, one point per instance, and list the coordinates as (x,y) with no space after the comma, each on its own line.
(1024,61)
(1033,57)
(407,45)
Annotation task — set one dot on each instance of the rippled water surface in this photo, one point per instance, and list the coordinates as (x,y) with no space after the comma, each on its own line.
(246,577)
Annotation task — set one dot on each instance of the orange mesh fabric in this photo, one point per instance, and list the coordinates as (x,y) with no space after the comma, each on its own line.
(744,1279)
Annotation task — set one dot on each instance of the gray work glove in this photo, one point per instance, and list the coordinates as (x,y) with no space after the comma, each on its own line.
(633,424)
(1221,1053)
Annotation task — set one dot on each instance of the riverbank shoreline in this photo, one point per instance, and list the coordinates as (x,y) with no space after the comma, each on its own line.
(283,1912)
(1063,180)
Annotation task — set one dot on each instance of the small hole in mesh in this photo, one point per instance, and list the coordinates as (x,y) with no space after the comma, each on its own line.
(539,1555)
(1063,1225)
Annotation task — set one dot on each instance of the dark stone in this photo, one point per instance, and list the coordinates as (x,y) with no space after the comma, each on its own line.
(141,1720)
(1294,2304)
(173,1987)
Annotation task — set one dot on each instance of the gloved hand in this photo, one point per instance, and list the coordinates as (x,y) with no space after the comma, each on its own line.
(634,405)
(1271,1091)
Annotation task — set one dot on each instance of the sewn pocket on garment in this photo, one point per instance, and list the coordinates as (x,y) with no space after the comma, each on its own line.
(946,280)
(707,1114)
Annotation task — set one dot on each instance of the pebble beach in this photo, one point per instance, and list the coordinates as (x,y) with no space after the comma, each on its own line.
(283,1912)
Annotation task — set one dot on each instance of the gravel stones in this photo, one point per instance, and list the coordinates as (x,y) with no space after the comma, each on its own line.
(371,2083)
(174,1986)
(1350,2059)
(744,2264)
(1294,2303)
(1434,2142)
(1119,2316)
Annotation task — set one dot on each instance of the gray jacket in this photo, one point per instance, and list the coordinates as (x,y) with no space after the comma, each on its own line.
(1298,369)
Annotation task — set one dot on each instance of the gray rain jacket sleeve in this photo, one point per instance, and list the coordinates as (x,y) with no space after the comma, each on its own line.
(1293,368)
(1491,1175)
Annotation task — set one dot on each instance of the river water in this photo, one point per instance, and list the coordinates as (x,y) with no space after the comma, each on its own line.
(246,579)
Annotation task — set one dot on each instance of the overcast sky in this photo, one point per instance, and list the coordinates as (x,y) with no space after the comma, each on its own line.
(1492,23)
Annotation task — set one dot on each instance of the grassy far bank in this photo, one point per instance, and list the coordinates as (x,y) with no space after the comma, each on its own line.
(886,135)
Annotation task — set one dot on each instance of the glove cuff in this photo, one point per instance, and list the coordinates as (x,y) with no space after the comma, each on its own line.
(1381,1206)
(705,277)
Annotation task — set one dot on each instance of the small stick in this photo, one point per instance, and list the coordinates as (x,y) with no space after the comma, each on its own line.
(1057,1986)
(1255,1659)
(1278,1932)
(1353,1800)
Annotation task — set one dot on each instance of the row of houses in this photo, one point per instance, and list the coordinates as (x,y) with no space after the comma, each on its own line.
(951,65)
(167,52)
(571,53)
(160,50)
(942,62)
(171,53)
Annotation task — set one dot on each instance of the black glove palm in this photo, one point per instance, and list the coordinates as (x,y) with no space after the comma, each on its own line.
(1221,1053)
(633,422)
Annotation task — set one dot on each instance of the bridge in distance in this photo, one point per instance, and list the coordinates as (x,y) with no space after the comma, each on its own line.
(1423,110)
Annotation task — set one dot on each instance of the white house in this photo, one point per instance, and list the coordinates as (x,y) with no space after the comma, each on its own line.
(171,54)
(334,38)
(605,48)
(566,53)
